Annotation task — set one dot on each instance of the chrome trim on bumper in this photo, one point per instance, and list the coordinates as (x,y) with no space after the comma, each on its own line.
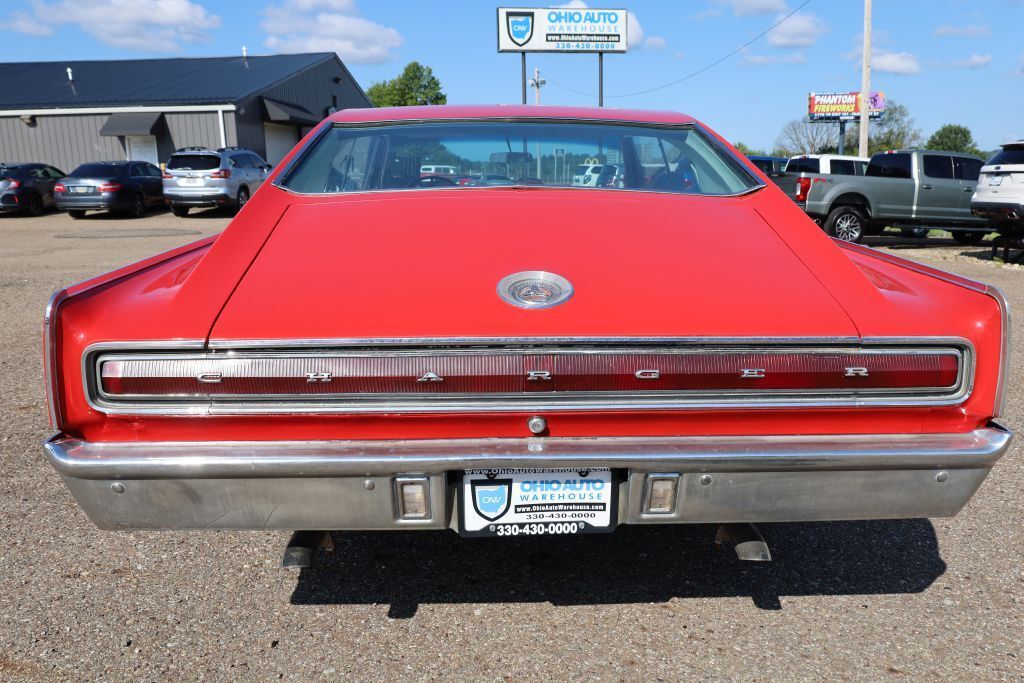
(348,484)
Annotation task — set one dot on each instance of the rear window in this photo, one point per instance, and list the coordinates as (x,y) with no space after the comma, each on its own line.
(890,166)
(803,166)
(1009,155)
(842,167)
(389,156)
(98,171)
(966,168)
(193,162)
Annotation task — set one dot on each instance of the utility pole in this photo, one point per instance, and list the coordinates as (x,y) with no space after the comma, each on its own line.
(537,83)
(865,82)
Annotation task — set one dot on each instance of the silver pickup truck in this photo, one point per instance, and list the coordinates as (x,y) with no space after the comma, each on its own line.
(909,189)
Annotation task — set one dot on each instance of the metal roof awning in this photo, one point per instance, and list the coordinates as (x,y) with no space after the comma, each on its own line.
(282,112)
(131,123)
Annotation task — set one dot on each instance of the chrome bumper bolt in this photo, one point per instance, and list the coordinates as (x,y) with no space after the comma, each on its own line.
(537,425)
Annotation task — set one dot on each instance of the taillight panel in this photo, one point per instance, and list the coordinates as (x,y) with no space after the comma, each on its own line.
(531,378)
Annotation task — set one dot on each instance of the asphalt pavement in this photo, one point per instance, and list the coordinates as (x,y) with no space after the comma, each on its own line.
(900,600)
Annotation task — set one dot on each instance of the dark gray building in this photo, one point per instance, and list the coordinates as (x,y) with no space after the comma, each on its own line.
(67,113)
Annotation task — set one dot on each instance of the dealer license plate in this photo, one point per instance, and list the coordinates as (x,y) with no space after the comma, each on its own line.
(995,180)
(80,189)
(190,181)
(537,502)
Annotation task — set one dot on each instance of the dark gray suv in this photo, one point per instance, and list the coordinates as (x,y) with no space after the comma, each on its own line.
(201,177)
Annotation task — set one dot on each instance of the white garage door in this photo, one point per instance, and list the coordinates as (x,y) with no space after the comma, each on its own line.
(280,140)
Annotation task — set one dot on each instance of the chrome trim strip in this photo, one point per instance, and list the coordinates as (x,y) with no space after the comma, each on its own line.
(74,458)
(999,406)
(437,342)
(595,401)
(50,365)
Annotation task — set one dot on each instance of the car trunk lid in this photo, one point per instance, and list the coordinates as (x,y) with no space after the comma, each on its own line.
(426,264)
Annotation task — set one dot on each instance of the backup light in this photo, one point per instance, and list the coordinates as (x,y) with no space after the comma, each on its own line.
(660,495)
(412,497)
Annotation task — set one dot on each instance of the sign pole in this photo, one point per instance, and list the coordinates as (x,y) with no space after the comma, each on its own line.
(842,137)
(523,55)
(600,79)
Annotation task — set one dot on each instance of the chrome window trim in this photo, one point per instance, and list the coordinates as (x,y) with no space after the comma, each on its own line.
(713,142)
(577,401)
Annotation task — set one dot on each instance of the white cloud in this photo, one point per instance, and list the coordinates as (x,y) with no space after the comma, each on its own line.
(144,25)
(975,61)
(655,43)
(799,30)
(23,22)
(634,32)
(746,8)
(902,63)
(761,60)
(710,13)
(968,31)
(328,26)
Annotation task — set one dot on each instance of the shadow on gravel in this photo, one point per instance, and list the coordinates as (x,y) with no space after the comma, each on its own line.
(634,564)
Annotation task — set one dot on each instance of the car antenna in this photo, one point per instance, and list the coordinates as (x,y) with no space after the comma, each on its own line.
(71,81)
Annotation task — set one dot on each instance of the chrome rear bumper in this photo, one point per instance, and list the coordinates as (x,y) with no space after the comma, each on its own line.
(349,484)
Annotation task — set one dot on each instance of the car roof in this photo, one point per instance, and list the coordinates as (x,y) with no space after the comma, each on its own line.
(507,111)
(1015,143)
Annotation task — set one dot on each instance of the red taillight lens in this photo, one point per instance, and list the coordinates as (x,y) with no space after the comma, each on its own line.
(222,173)
(109,187)
(11,183)
(665,373)
(167,175)
(803,185)
(59,187)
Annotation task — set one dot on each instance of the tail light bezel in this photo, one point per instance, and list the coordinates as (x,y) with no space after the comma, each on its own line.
(412,403)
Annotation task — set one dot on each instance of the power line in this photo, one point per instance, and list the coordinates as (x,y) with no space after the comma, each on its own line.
(698,71)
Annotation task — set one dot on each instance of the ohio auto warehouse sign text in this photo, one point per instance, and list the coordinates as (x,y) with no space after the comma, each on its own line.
(561,29)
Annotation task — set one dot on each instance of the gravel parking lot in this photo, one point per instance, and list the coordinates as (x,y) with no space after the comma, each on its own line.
(913,599)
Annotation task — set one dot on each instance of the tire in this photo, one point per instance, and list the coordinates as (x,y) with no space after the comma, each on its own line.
(916,233)
(34,207)
(846,223)
(138,206)
(242,198)
(179,211)
(76,213)
(967,237)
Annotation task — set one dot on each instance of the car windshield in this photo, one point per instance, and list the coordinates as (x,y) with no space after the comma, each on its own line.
(389,156)
(97,171)
(193,162)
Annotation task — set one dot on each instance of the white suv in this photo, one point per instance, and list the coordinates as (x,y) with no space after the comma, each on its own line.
(197,176)
(999,195)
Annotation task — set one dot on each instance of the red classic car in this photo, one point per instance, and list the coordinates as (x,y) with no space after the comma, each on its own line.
(363,349)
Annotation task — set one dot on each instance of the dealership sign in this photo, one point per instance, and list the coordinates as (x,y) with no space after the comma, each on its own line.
(842,106)
(561,29)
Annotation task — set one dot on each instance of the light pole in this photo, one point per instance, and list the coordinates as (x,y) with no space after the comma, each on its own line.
(537,83)
(865,82)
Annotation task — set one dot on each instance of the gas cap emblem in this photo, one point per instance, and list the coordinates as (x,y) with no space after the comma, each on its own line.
(534,289)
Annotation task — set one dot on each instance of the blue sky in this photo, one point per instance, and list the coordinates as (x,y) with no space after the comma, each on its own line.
(948,60)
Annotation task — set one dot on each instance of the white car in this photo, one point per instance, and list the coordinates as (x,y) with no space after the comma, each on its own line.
(827,164)
(597,175)
(999,195)
(438,170)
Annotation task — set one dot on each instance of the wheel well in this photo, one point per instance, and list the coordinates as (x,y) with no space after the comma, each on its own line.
(245,187)
(852,199)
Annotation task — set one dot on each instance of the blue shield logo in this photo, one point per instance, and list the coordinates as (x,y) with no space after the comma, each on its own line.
(520,27)
(491,497)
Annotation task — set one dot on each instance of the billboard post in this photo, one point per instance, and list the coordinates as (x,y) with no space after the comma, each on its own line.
(562,29)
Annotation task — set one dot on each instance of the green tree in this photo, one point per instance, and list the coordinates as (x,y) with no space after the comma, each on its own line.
(748,151)
(416,85)
(953,137)
(895,130)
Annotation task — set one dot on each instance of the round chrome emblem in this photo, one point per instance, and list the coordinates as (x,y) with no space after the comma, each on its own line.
(534,289)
